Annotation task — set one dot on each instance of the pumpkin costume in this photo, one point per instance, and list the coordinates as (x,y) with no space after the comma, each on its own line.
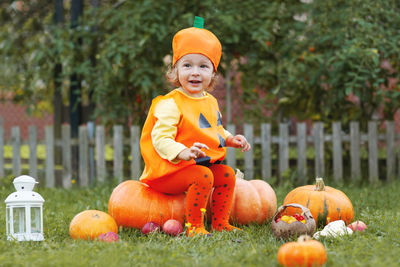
(175,122)
(199,120)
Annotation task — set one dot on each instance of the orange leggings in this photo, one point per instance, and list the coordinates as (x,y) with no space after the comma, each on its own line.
(198,181)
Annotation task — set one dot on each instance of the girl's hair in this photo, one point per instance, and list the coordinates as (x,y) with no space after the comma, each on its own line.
(172,77)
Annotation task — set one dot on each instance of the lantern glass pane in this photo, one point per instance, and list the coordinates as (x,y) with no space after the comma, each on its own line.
(35,220)
(19,220)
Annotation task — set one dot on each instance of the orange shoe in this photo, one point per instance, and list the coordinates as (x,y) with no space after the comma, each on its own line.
(197,231)
(225,227)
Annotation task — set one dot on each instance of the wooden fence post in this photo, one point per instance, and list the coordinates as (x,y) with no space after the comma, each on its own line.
(266,170)
(390,151)
(337,152)
(32,151)
(373,151)
(90,131)
(302,152)
(283,148)
(100,154)
(135,152)
(49,141)
(66,156)
(398,156)
(230,151)
(355,160)
(319,149)
(249,156)
(16,150)
(2,174)
(83,156)
(118,152)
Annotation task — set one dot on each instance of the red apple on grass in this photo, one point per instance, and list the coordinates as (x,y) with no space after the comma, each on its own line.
(357,226)
(109,237)
(172,227)
(150,227)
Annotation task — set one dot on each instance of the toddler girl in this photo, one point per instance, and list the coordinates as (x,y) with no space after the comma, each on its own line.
(183,141)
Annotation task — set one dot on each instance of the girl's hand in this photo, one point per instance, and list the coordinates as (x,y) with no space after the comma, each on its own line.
(193,152)
(238,141)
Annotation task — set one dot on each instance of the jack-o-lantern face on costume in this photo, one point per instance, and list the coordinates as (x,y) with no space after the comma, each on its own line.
(213,129)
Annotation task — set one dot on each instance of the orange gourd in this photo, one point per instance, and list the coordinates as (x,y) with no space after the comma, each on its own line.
(325,203)
(254,201)
(133,204)
(304,252)
(89,224)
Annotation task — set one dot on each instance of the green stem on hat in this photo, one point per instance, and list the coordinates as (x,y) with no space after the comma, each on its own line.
(319,184)
(198,22)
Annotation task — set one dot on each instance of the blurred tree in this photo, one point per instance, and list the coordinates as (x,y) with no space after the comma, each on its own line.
(344,62)
(326,60)
(21,33)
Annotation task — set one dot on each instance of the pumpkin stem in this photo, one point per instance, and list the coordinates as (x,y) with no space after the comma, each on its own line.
(304,238)
(239,174)
(319,184)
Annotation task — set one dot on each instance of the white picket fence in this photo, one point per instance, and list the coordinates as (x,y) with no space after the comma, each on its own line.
(274,160)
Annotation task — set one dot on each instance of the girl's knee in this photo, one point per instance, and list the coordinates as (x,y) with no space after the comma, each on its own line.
(204,177)
(223,174)
(229,172)
(229,175)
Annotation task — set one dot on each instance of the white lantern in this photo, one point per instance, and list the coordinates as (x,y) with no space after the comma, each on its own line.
(24,215)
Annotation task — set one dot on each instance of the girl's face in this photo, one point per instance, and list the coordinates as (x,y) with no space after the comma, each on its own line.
(195,72)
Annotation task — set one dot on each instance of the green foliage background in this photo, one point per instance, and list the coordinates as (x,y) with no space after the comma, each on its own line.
(293,65)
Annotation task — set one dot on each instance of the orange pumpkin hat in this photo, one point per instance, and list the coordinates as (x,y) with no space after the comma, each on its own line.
(196,40)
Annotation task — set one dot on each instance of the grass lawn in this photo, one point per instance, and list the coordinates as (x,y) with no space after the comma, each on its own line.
(378,206)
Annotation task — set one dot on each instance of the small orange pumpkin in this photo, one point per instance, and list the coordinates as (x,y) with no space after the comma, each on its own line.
(304,252)
(133,204)
(89,224)
(325,203)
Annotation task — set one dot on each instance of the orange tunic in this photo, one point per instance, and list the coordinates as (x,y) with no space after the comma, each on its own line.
(200,121)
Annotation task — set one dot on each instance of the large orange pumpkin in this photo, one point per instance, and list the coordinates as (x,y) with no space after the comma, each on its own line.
(254,201)
(132,204)
(304,252)
(325,203)
(89,224)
